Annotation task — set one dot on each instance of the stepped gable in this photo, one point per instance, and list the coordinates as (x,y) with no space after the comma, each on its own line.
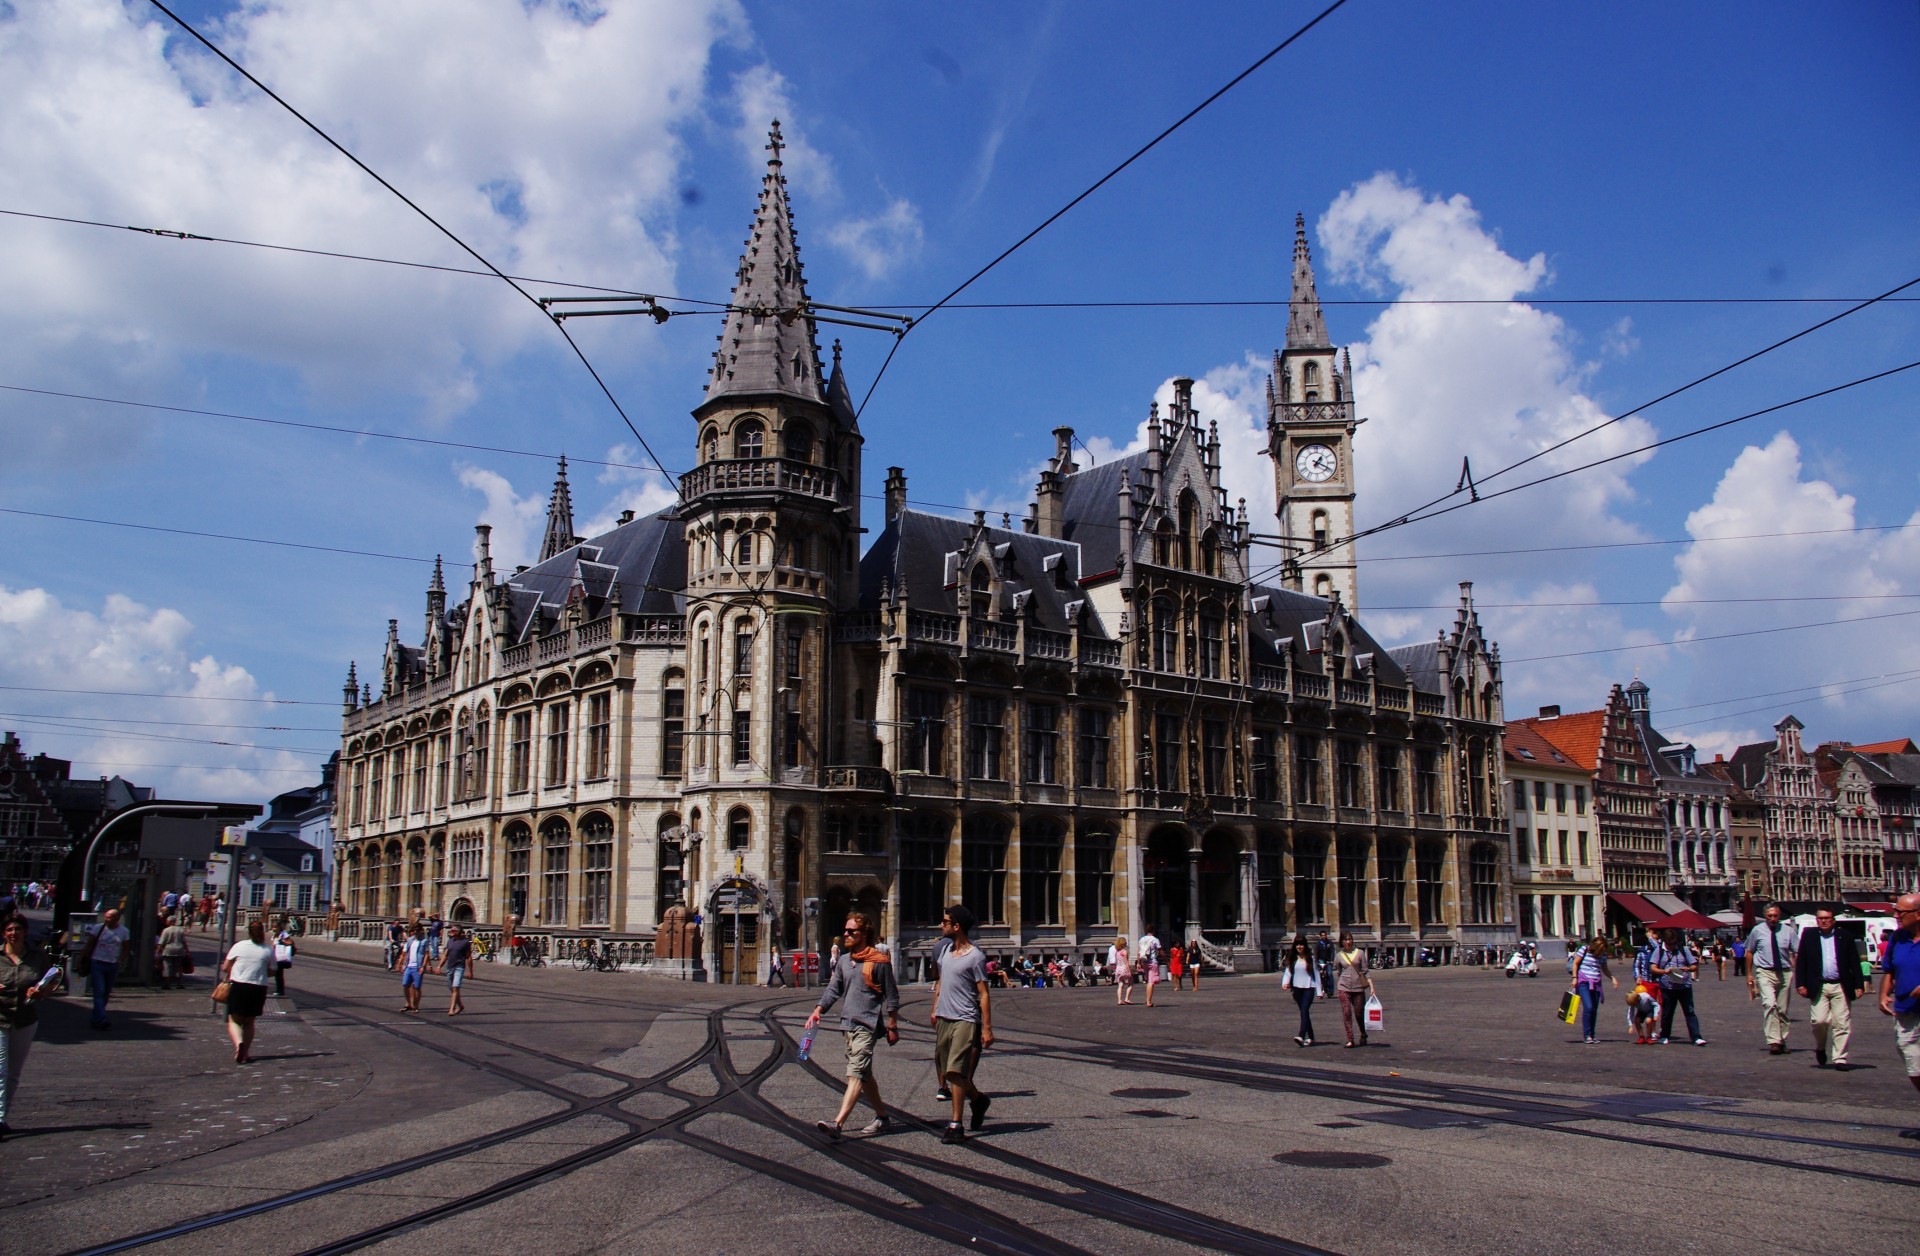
(916,547)
(646,557)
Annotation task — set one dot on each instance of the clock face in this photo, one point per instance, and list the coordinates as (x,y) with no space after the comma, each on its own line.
(1315,464)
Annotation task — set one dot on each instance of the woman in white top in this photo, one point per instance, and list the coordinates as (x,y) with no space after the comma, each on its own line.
(249,967)
(1298,975)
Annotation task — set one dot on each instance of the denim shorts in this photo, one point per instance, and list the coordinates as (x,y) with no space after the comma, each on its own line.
(411,977)
(458,976)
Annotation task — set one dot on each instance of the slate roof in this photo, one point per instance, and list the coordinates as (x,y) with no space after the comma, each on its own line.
(761,352)
(1090,508)
(915,546)
(648,557)
(1748,765)
(1302,617)
(1577,735)
(1720,769)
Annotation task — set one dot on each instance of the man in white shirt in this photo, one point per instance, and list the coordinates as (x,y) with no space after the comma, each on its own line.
(1771,948)
(106,943)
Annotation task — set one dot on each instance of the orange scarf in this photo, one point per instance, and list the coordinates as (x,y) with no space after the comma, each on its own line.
(870,960)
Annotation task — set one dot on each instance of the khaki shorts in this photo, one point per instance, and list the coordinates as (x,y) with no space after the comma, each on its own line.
(860,1044)
(954,1044)
(1907,1034)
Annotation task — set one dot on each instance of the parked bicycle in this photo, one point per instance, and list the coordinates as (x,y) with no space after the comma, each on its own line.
(593,958)
(526,953)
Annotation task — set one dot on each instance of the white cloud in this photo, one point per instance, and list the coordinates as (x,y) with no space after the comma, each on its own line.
(762,96)
(131,647)
(519,523)
(883,243)
(636,487)
(1765,493)
(108,114)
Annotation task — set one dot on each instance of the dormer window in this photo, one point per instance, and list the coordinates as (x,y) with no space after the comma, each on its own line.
(980,593)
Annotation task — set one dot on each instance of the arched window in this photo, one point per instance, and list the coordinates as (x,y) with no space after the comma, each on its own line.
(710,444)
(739,829)
(556,866)
(1163,543)
(1319,529)
(796,441)
(672,864)
(1166,635)
(980,586)
(748,439)
(1210,552)
(596,870)
(1310,380)
(1189,510)
(743,549)
(1323,586)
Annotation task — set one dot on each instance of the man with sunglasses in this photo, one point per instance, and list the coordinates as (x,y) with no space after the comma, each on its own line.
(1900,988)
(863,976)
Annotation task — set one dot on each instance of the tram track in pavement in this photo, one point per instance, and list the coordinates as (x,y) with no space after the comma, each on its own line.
(935,1211)
(1528,1111)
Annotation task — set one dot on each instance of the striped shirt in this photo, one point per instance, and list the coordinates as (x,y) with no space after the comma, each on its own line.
(1592,968)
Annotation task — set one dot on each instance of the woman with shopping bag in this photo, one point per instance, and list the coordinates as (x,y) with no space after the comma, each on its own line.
(1352,983)
(1590,968)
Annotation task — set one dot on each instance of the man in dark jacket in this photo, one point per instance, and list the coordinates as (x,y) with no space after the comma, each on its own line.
(1826,973)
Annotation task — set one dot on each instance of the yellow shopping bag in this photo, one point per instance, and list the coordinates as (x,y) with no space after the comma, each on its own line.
(1570,1007)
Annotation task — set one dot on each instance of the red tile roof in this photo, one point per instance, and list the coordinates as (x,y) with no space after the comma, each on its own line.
(1577,736)
(1523,744)
(1899,745)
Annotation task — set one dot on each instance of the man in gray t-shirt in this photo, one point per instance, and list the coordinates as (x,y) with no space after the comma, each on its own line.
(962,1019)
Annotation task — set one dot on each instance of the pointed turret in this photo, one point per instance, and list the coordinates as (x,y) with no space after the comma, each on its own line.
(768,344)
(1306,326)
(559,537)
(839,397)
(350,694)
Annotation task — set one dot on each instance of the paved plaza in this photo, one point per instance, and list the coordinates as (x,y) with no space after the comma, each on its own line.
(586,1112)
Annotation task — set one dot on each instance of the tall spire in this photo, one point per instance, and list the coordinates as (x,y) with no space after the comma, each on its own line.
(1306,327)
(559,518)
(768,345)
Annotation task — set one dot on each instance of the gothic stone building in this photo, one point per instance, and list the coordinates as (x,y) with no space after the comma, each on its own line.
(1081,724)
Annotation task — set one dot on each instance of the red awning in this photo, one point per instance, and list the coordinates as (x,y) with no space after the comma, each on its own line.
(1689,919)
(1885,908)
(1639,908)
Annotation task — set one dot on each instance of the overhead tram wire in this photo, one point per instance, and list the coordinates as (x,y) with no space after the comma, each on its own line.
(959,509)
(49,729)
(437,225)
(1471,485)
(184,697)
(1104,179)
(214,536)
(1909,673)
(1423,513)
(1818,697)
(168,234)
(121,719)
(1723,636)
(719,307)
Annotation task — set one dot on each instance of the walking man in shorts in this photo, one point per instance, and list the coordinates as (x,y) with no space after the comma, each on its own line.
(863,976)
(457,963)
(962,1019)
(1900,988)
(413,961)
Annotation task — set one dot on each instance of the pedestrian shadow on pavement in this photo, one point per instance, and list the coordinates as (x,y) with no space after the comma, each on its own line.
(69,1025)
(260,1057)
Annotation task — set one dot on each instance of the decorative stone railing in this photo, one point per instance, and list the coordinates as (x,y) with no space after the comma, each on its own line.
(754,474)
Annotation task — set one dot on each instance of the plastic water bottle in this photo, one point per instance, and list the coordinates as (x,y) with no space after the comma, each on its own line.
(806,1046)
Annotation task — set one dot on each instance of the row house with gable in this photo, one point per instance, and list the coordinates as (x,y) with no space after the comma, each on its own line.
(1082,723)
(1803,858)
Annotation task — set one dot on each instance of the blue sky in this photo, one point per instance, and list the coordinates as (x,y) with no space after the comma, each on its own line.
(1534,157)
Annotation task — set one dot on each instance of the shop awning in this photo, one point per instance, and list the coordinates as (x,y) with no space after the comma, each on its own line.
(1637,907)
(1689,920)
(1669,904)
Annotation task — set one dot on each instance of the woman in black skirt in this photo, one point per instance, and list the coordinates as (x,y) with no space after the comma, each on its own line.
(249,968)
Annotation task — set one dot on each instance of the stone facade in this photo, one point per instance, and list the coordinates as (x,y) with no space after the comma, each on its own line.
(1080,723)
(1803,860)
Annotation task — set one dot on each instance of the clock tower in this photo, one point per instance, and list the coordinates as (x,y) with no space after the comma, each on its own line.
(1310,427)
